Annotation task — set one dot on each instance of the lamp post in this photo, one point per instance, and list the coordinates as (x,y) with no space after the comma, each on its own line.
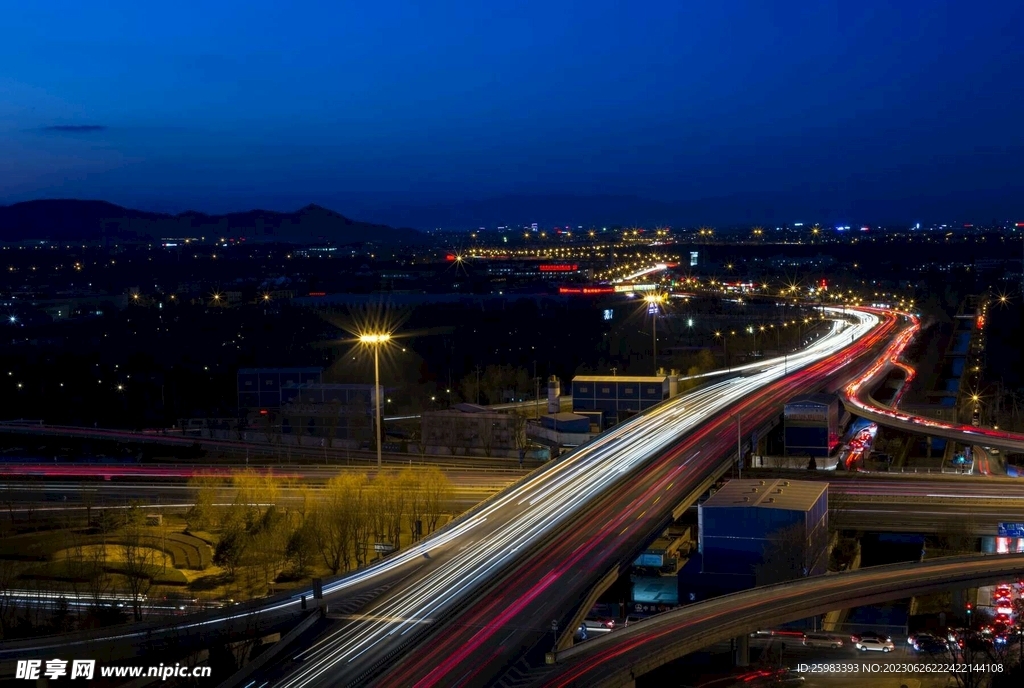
(725,348)
(376,341)
(653,301)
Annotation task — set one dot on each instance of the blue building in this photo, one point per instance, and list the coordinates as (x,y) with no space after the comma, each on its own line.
(260,388)
(757,532)
(811,425)
(618,396)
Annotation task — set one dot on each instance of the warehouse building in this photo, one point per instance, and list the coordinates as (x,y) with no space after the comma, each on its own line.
(757,532)
(811,425)
(620,397)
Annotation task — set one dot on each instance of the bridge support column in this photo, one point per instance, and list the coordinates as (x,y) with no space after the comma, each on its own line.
(741,650)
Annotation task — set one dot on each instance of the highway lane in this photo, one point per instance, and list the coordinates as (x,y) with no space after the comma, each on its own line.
(517,614)
(541,509)
(612,659)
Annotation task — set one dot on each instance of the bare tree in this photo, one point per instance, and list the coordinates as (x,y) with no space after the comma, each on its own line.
(137,566)
(332,526)
(488,436)
(437,491)
(8,576)
(415,498)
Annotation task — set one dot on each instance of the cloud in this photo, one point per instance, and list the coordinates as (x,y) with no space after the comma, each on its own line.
(75,128)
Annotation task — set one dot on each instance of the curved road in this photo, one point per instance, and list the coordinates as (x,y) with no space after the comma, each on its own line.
(615,658)
(858,401)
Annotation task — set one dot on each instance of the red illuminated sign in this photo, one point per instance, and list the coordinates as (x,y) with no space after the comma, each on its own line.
(587,291)
(450,257)
(559,267)
(318,293)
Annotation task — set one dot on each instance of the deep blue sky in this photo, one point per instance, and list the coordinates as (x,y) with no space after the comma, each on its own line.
(912,105)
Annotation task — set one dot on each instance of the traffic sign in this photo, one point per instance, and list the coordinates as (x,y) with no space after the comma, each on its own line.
(1011,530)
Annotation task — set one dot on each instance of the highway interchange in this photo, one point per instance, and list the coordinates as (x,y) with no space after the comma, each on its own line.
(529,552)
(616,480)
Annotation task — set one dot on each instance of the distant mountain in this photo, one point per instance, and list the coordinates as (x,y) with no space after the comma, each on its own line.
(76,220)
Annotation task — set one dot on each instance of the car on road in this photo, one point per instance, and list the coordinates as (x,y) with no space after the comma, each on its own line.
(931,646)
(822,640)
(875,645)
(596,626)
(914,638)
(869,635)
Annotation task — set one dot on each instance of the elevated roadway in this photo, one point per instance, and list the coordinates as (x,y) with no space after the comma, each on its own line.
(857,399)
(496,599)
(616,658)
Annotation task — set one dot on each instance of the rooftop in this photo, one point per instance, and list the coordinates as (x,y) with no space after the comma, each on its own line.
(789,495)
(620,378)
(819,398)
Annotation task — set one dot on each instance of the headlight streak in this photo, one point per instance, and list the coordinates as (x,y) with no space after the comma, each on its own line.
(541,504)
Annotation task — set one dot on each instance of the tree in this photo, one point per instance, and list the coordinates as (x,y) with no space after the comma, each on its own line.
(415,498)
(437,490)
(137,565)
(519,436)
(200,515)
(487,436)
(254,493)
(302,546)
(331,521)
(269,544)
(231,549)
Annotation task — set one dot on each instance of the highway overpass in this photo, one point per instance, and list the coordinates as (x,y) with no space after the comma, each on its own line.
(857,399)
(615,659)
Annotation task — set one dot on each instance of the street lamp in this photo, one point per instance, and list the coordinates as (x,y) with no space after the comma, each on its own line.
(653,301)
(376,341)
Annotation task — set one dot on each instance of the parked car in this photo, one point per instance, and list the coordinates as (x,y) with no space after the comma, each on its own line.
(822,640)
(875,645)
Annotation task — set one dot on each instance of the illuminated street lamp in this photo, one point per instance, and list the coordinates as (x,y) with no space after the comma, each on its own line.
(653,301)
(376,341)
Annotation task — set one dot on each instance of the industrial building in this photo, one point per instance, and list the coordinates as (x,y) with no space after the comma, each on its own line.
(811,425)
(260,388)
(331,411)
(559,431)
(472,429)
(757,532)
(620,397)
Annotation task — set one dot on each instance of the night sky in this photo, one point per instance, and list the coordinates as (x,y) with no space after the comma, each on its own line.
(910,108)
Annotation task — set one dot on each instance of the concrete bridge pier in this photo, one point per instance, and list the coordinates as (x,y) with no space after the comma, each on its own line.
(741,650)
